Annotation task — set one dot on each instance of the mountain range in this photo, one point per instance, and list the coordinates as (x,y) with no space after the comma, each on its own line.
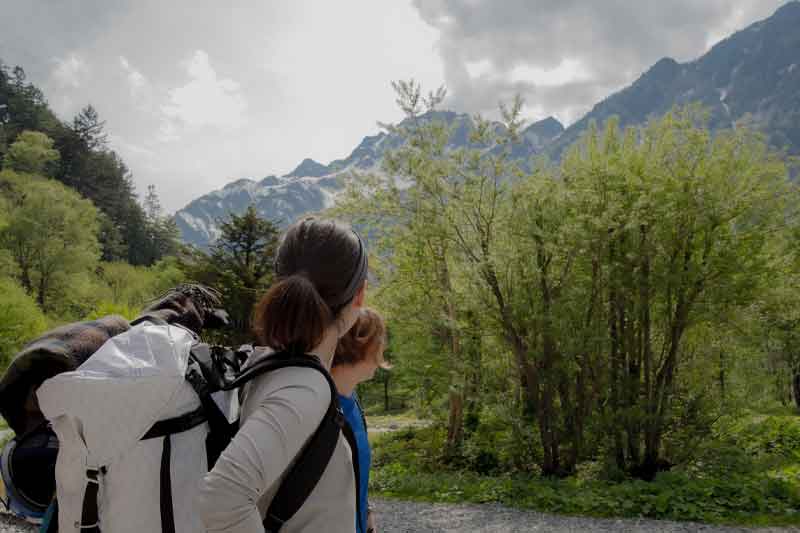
(752,76)
(312,186)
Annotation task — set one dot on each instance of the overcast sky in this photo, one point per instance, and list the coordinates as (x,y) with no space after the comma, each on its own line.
(198,93)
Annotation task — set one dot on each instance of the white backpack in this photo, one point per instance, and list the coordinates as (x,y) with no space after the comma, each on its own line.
(133,424)
(100,413)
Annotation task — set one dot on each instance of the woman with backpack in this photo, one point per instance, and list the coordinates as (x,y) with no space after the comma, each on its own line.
(358,356)
(321,271)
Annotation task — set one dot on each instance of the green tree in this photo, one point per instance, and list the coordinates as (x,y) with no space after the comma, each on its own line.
(597,276)
(777,323)
(7,267)
(51,235)
(240,266)
(20,319)
(444,228)
(33,153)
(679,224)
(86,165)
(90,129)
(125,289)
(162,230)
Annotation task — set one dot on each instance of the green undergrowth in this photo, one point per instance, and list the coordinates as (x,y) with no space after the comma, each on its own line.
(749,474)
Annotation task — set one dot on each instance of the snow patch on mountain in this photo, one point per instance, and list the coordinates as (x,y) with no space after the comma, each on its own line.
(193,222)
(313,187)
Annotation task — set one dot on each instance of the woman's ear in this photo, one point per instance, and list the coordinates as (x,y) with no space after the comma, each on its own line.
(358,300)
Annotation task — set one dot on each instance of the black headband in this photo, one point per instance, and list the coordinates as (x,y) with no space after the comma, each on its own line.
(358,278)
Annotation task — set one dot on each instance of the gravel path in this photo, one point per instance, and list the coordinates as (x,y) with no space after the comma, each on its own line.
(10,524)
(407,517)
(403,517)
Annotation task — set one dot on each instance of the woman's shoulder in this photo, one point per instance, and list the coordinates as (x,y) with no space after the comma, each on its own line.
(294,379)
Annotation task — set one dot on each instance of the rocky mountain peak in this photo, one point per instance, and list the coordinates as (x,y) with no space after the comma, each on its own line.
(753,73)
(309,167)
(549,127)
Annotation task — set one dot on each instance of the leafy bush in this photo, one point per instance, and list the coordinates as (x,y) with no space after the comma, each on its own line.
(126,289)
(758,484)
(20,319)
(111,308)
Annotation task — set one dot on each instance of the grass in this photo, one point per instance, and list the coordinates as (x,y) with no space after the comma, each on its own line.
(6,436)
(399,421)
(748,475)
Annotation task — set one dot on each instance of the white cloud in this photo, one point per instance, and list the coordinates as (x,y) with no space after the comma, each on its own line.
(70,71)
(126,147)
(567,71)
(206,100)
(167,132)
(563,56)
(312,76)
(482,67)
(136,79)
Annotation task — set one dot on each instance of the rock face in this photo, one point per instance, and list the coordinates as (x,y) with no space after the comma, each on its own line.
(312,186)
(753,75)
(282,199)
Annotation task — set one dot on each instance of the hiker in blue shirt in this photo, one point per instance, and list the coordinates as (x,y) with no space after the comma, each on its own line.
(358,355)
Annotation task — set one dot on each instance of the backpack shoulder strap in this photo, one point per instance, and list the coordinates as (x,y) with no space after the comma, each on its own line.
(360,410)
(347,431)
(313,458)
(158,321)
(277,361)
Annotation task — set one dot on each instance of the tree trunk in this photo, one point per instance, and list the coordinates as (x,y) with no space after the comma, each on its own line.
(25,280)
(616,348)
(455,423)
(472,375)
(551,377)
(664,381)
(528,373)
(550,462)
(646,332)
(581,409)
(548,418)
(41,290)
(569,407)
(455,426)
(685,295)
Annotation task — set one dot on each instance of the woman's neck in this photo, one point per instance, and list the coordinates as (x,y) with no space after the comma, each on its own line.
(327,347)
(345,379)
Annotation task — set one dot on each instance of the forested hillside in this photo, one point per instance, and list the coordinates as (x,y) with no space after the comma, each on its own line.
(84,163)
(76,243)
(74,240)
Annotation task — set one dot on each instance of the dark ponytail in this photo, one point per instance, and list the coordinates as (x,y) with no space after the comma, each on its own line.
(292,315)
(319,267)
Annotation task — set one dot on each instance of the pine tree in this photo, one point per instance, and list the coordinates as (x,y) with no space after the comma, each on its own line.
(239,265)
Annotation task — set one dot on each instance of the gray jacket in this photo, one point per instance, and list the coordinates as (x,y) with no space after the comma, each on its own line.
(280,411)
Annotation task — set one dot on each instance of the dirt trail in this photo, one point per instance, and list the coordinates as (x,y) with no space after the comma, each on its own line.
(406,517)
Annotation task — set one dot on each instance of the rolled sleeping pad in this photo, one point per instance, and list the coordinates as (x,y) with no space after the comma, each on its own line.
(60,350)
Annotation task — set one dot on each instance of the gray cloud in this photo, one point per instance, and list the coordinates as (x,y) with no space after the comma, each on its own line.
(605,44)
(197,94)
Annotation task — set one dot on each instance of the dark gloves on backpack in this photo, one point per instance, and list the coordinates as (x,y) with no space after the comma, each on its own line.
(190,305)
